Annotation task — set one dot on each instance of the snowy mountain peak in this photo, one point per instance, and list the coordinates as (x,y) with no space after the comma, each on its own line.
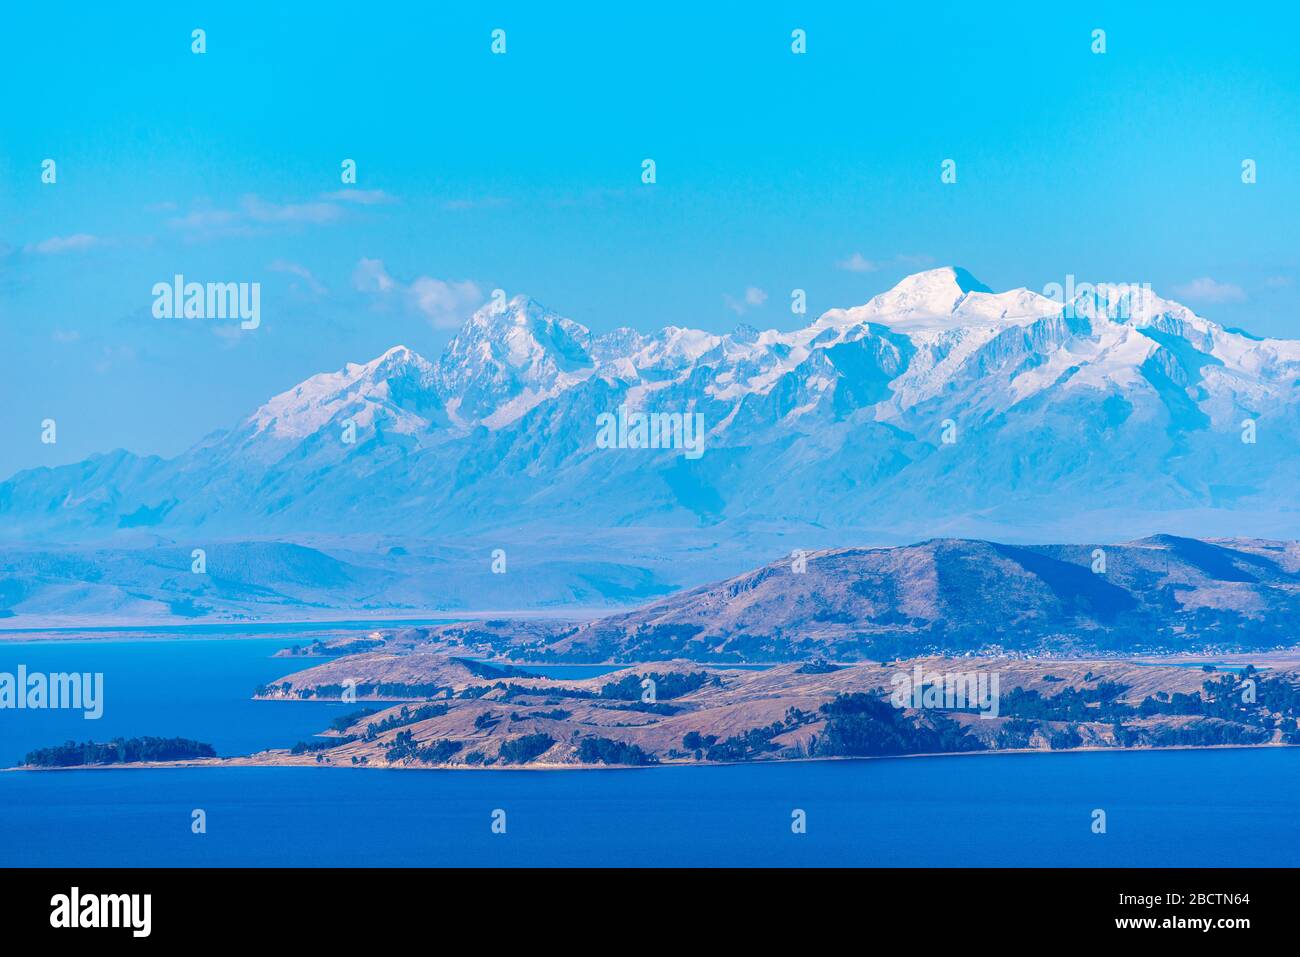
(518,310)
(399,381)
(944,325)
(934,292)
(398,352)
(939,300)
(513,329)
(942,278)
(1132,304)
(508,357)
(398,360)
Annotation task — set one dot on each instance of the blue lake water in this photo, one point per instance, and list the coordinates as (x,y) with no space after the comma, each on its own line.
(1190,808)
(235,628)
(185,687)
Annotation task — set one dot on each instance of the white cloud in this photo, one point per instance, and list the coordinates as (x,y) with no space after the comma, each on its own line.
(261,211)
(63,244)
(1279,282)
(252,215)
(207,223)
(371,276)
(857,263)
(113,356)
(361,197)
(860,263)
(753,297)
(302,272)
(1206,289)
(229,333)
(443,303)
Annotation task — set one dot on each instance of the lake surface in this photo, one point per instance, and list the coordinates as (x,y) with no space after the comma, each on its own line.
(1188,808)
(186,687)
(233,628)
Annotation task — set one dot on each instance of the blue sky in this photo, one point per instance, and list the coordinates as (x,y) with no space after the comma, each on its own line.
(522,171)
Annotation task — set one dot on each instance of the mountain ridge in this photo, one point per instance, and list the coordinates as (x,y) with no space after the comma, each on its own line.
(1160,595)
(936,405)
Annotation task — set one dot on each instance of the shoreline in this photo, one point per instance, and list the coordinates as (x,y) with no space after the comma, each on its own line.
(290,629)
(247,761)
(114,634)
(167,630)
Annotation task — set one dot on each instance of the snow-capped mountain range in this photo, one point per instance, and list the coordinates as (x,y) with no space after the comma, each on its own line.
(1119,413)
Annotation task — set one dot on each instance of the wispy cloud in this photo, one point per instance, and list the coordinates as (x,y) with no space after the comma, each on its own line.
(1279,282)
(253,214)
(371,276)
(302,272)
(64,244)
(113,356)
(361,197)
(1206,289)
(442,303)
(261,211)
(752,299)
(857,263)
(210,223)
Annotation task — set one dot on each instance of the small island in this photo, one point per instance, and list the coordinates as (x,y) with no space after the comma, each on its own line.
(142,750)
